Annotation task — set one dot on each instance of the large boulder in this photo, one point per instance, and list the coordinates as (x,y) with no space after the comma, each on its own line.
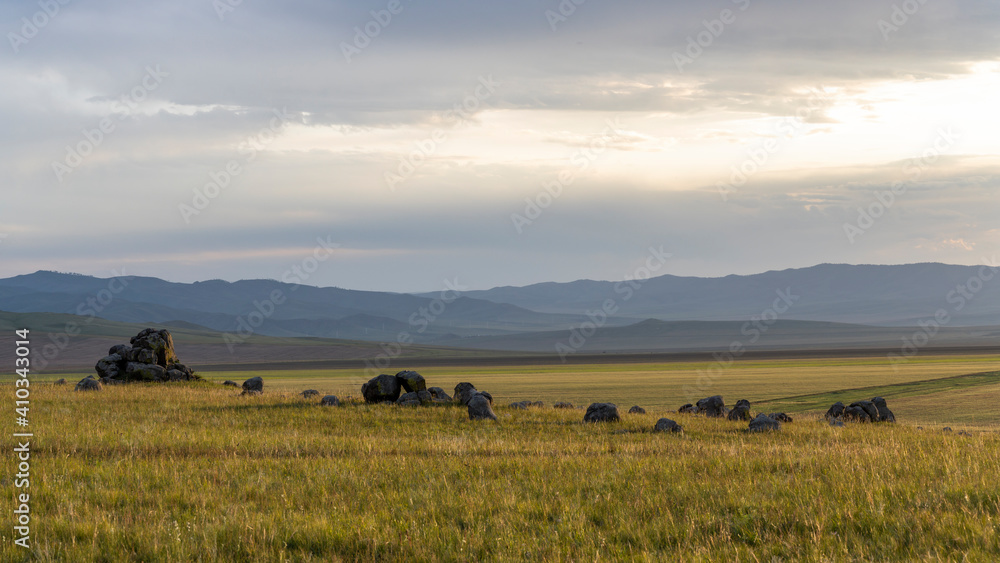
(112,365)
(480,408)
(88,384)
(253,385)
(381,389)
(836,410)
(465,391)
(741,412)
(135,371)
(602,412)
(159,343)
(764,423)
(868,407)
(667,425)
(411,381)
(712,406)
(884,414)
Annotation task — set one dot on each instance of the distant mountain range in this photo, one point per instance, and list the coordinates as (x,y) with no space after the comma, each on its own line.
(659,313)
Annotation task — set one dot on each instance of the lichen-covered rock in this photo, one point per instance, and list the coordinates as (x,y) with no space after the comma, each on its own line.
(135,371)
(159,342)
(408,400)
(111,366)
(150,357)
(602,412)
(381,389)
(411,381)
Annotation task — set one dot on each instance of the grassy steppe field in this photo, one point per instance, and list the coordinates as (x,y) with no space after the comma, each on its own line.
(192,472)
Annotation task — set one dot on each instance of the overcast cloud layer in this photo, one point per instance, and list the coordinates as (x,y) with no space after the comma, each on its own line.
(499,143)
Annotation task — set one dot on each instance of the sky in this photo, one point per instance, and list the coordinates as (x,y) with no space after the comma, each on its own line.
(400,145)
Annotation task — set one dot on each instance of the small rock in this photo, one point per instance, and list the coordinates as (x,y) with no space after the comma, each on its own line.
(88,384)
(253,384)
(946,429)
(637,410)
(836,422)
(688,408)
(740,412)
(60,382)
(230,383)
(780,417)
(520,405)
(438,393)
(602,412)
(479,408)
(563,405)
(408,400)
(309,393)
(330,401)
(667,425)
(764,423)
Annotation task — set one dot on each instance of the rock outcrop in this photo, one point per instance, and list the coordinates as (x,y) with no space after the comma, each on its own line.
(149,356)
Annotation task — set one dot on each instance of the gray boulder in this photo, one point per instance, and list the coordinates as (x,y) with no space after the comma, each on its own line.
(667,425)
(465,391)
(88,384)
(60,382)
(835,411)
(330,401)
(856,414)
(712,406)
(309,393)
(884,414)
(135,371)
(111,365)
(254,384)
(230,383)
(868,407)
(176,375)
(411,381)
(636,409)
(780,417)
(764,423)
(159,343)
(688,408)
(381,389)
(408,400)
(740,412)
(602,412)
(520,405)
(480,408)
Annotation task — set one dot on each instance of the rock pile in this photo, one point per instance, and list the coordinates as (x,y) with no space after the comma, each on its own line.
(874,410)
(149,356)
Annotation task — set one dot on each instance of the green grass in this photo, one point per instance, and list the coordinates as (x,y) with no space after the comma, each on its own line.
(193,472)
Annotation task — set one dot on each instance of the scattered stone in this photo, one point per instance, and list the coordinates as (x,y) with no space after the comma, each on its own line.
(480,407)
(780,417)
(764,423)
(920,428)
(381,389)
(538,404)
(835,411)
(667,425)
(330,401)
(520,405)
(688,408)
(836,422)
(253,384)
(438,393)
(712,406)
(253,393)
(230,383)
(562,405)
(637,410)
(411,381)
(884,414)
(309,393)
(60,382)
(88,384)
(465,391)
(602,412)
(963,433)
(946,429)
